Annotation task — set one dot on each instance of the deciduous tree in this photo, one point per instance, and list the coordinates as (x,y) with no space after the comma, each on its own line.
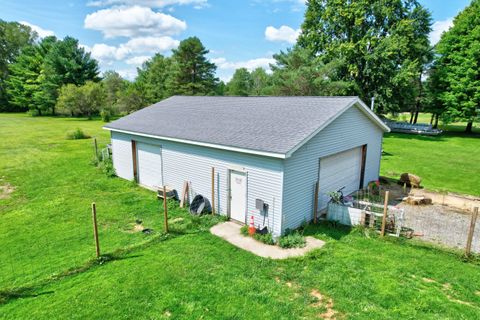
(153,78)
(296,73)
(383,45)
(85,100)
(13,38)
(459,65)
(240,84)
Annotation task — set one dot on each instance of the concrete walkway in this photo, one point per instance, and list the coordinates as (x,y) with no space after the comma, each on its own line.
(230,231)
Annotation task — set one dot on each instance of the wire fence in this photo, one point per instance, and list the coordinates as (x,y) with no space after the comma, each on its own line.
(440,224)
(57,246)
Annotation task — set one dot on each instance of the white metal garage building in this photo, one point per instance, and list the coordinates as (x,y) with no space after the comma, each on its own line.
(273,149)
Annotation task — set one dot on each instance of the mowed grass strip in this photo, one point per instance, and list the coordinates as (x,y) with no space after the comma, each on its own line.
(201,276)
(46,225)
(448,162)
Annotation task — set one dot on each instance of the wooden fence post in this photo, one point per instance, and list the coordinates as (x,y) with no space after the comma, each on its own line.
(471,231)
(165,210)
(95,148)
(385,210)
(315,204)
(95,229)
(213,190)
(184,194)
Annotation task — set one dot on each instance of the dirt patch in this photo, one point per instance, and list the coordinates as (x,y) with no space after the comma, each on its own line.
(6,190)
(446,288)
(327,303)
(449,297)
(134,228)
(428,280)
(138,228)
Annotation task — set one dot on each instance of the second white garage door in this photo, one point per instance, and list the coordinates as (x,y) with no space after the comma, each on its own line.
(339,170)
(149,161)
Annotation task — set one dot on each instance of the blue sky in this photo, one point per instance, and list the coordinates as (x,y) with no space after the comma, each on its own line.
(121,34)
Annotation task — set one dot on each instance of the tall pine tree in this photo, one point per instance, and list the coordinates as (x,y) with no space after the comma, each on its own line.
(65,63)
(192,72)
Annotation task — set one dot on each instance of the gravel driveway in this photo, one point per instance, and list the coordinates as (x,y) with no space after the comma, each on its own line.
(441,224)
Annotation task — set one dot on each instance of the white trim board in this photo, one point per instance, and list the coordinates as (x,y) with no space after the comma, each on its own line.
(203,144)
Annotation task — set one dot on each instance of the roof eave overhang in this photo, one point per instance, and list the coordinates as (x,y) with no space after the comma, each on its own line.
(203,144)
(366,110)
(357,101)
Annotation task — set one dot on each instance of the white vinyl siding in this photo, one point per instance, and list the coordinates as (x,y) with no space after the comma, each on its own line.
(184,162)
(350,130)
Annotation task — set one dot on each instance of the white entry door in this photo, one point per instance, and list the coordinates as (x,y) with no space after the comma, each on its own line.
(149,162)
(238,196)
(337,171)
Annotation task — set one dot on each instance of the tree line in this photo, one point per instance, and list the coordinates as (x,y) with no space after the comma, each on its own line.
(374,49)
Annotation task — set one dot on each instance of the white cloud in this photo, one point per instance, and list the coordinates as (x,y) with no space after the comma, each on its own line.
(106,54)
(252,64)
(150,44)
(137,60)
(283,34)
(128,74)
(149,3)
(85,47)
(42,33)
(133,22)
(438,28)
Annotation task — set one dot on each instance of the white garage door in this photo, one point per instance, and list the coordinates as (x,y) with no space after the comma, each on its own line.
(149,165)
(339,170)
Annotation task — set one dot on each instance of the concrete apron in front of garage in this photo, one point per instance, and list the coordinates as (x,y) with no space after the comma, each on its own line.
(230,231)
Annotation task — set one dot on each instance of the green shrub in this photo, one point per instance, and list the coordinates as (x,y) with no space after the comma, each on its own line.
(292,240)
(77,134)
(106,115)
(244,230)
(33,112)
(107,167)
(265,238)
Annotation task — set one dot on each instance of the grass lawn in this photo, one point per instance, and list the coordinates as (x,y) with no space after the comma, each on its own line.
(46,231)
(448,162)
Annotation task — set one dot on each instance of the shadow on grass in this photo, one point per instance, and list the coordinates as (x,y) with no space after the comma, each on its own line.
(20,293)
(192,225)
(327,229)
(31,290)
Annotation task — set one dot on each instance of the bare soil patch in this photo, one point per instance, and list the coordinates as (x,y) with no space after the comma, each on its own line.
(6,190)
(326,303)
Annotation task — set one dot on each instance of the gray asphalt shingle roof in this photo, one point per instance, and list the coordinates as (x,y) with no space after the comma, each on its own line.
(267,124)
